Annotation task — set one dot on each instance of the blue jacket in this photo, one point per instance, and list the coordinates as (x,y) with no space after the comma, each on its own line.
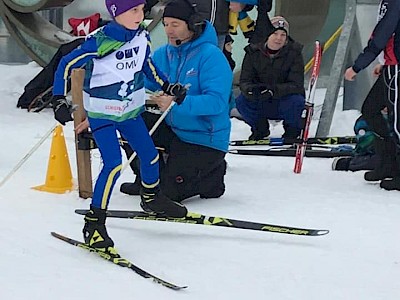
(203,117)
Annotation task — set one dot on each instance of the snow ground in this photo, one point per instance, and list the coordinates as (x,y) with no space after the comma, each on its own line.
(358,259)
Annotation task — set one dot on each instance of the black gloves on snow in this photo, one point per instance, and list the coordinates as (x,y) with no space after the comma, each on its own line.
(62,109)
(260,92)
(175,89)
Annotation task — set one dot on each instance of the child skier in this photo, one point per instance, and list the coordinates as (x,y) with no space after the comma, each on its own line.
(116,58)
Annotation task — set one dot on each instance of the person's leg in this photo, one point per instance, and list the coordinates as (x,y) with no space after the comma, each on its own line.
(180,178)
(392,90)
(253,113)
(290,109)
(193,170)
(135,132)
(161,138)
(376,101)
(153,200)
(373,104)
(104,133)
(212,174)
(94,231)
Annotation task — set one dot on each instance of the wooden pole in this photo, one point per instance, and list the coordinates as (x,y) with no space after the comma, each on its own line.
(82,156)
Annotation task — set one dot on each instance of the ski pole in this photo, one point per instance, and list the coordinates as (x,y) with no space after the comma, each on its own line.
(29,154)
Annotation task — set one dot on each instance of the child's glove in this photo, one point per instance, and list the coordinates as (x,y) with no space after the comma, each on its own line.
(62,109)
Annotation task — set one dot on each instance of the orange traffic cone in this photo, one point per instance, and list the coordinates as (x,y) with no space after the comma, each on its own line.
(59,176)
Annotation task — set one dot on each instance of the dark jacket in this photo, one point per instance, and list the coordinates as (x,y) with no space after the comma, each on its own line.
(385,37)
(215,11)
(283,74)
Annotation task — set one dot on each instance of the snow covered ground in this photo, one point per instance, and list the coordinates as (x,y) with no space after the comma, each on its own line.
(358,259)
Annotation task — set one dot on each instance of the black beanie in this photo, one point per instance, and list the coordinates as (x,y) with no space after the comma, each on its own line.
(179,9)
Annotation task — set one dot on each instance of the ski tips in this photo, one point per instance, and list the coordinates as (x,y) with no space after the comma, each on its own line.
(321,232)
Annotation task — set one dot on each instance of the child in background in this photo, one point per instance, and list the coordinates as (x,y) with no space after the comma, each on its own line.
(254,31)
(116,59)
(238,17)
(228,51)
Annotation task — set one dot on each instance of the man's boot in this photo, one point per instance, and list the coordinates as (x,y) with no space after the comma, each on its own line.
(94,231)
(387,168)
(155,202)
(132,188)
(261,131)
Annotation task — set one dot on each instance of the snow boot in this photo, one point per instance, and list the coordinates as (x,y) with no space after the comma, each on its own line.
(261,130)
(387,168)
(155,202)
(94,231)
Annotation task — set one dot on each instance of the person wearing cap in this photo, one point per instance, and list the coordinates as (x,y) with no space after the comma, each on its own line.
(117,60)
(195,134)
(272,83)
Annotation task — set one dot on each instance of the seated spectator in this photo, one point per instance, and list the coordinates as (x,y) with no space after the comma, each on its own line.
(272,83)
(194,135)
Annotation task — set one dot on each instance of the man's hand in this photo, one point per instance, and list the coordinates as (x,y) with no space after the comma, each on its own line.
(175,89)
(162,100)
(350,74)
(377,70)
(62,109)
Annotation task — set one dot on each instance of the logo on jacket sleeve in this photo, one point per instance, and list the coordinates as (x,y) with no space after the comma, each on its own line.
(191,72)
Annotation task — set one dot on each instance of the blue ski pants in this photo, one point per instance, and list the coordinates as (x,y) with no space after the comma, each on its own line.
(288,109)
(135,132)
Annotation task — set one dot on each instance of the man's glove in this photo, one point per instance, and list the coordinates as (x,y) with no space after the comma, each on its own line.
(175,89)
(62,109)
(260,92)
